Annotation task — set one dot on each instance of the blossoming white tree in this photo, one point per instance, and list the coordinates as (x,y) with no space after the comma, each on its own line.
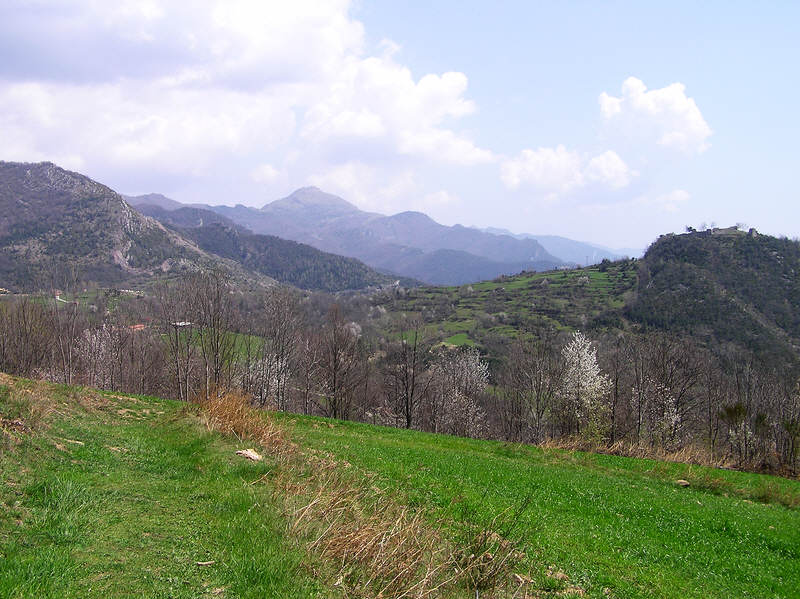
(458,377)
(585,387)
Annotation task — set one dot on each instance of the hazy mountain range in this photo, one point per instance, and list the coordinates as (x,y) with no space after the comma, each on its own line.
(569,250)
(50,217)
(409,243)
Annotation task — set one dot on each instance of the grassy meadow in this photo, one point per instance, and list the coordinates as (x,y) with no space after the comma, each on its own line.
(106,496)
(615,526)
(113,496)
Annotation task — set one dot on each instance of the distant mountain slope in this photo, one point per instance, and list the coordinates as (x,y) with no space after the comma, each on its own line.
(185,216)
(409,243)
(287,261)
(290,262)
(569,250)
(51,218)
(733,286)
(153,199)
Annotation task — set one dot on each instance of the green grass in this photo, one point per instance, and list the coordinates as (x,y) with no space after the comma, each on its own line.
(614,525)
(460,339)
(123,501)
(104,496)
(565,300)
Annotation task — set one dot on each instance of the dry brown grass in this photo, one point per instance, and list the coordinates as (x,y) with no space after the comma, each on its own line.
(230,413)
(370,544)
(769,491)
(686,455)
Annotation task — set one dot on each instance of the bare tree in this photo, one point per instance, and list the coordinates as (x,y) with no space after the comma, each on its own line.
(280,324)
(307,369)
(529,384)
(209,293)
(25,336)
(339,369)
(173,309)
(404,371)
(64,321)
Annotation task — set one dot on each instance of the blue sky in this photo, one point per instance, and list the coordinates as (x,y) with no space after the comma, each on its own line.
(609,122)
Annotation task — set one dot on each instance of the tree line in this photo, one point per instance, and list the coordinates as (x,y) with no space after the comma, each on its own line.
(650,393)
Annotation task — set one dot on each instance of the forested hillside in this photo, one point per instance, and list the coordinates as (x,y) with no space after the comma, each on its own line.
(724,286)
(287,261)
(56,224)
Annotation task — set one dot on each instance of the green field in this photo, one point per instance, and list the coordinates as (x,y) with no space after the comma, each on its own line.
(511,307)
(612,523)
(109,496)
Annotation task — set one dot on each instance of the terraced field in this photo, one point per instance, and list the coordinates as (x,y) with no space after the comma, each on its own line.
(483,313)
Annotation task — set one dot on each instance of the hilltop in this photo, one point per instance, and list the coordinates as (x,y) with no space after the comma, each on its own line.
(724,286)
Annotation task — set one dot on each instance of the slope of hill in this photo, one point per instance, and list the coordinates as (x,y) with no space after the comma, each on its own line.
(287,261)
(51,218)
(569,250)
(108,495)
(720,287)
(290,262)
(409,243)
(725,285)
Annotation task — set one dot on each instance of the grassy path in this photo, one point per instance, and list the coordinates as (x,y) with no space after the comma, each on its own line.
(124,500)
(616,526)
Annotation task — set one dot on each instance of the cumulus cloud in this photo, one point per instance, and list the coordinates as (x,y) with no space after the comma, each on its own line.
(185,88)
(368,186)
(610,169)
(666,115)
(377,98)
(666,202)
(265,173)
(558,170)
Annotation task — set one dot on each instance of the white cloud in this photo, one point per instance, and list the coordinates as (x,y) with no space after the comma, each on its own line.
(666,115)
(560,171)
(554,169)
(200,89)
(378,99)
(610,169)
(609,105)
(265,173)
(667,202)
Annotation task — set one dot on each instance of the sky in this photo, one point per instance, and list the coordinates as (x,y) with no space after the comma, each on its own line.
(607,122)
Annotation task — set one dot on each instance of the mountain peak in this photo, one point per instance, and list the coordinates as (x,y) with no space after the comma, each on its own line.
(312,198)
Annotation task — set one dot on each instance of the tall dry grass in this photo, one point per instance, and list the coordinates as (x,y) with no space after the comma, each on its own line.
(690,454)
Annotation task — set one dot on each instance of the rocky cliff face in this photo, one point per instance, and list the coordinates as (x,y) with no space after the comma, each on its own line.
(54,220)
